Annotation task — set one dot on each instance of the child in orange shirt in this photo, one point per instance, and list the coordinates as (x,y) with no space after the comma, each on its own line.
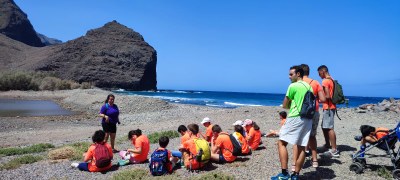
(238,134)
(89,159)
(141,147)
(188,149)
(253,134)
(222,147)
(207,123)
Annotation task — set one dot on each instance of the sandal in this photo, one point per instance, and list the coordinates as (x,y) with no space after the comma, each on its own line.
(293,167)
(315,164)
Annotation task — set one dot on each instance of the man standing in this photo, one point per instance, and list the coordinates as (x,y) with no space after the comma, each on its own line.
(320,96)
(296,130)
(328,115)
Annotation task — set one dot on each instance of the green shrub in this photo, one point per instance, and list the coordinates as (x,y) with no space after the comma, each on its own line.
(153,137)
(80,148)
(17,162)
(385,173)
(49,83)
(134,174)
(25,150)
(86,85)
(18,80)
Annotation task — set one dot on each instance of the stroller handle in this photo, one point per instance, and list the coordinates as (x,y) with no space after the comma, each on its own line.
(397,131)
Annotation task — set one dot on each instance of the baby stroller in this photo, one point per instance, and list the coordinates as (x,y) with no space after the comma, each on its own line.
(387,144)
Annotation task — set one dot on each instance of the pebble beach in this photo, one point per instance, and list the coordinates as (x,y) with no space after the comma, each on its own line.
(154,115)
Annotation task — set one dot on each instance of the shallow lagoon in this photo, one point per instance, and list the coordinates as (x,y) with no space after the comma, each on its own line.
(17,107)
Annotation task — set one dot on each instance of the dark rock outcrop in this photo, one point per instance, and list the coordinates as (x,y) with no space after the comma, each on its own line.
(112,56)
(14,23)
(48,41)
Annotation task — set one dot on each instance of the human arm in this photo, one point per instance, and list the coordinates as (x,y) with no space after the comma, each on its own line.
(88,156)
(215,149)
(286,103)
(321,96)
(136,150)
(103,114)
(370,139)
(250,135)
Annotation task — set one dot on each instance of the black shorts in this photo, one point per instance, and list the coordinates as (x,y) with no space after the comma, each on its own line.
(109,127)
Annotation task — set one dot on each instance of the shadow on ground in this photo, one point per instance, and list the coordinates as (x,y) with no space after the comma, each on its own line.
(320,173)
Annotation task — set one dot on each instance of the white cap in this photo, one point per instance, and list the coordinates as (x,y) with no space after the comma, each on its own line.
(205,120)
(247,122)
(238,122)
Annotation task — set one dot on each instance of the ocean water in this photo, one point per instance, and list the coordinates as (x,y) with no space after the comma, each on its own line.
(232,99)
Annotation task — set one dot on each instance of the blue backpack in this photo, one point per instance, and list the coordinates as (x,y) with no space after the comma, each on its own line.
(158,162)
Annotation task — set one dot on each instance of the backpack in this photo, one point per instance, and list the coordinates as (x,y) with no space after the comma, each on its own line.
(308,107)
(102,156)
(237,148)
(158,162)
(338,96)
(203,150)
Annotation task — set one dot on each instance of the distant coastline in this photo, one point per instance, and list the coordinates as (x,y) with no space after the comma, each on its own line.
(223,99)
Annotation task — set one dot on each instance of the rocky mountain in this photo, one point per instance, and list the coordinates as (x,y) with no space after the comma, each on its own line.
(112,56)
(14,23)
(48,41)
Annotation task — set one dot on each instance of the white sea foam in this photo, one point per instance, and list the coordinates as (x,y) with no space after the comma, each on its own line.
(239,104)
(214,105)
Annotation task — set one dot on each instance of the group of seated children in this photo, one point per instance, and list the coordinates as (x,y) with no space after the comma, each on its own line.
(194,152)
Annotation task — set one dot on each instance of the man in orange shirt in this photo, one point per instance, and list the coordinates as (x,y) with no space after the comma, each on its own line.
(207,123)
(188,149)
(328,115)
(222,147)
(141,148)
(98,139)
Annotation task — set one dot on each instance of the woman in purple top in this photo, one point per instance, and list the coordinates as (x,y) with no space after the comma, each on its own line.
(109,112)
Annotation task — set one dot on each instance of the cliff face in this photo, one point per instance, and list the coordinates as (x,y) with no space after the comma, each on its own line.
(112,56)
(14,23)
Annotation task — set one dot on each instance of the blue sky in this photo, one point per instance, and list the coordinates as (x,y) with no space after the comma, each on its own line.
(247,46)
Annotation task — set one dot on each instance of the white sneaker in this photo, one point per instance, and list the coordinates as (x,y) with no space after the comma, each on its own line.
(75,165)
(331,153)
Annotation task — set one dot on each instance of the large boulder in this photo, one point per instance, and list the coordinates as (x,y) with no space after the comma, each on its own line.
(14,23)
(113,56)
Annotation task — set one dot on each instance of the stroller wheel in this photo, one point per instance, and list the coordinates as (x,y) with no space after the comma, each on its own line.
(356,167)
(361,161)
(396,174)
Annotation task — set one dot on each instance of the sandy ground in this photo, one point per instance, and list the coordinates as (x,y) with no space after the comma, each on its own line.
(152,115)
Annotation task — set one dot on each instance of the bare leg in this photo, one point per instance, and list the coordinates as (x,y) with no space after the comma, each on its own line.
(301,158)
(326,136)
(106,137)
(283,154)
(295,154)
(332,138)
(312,144)
(112,139)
